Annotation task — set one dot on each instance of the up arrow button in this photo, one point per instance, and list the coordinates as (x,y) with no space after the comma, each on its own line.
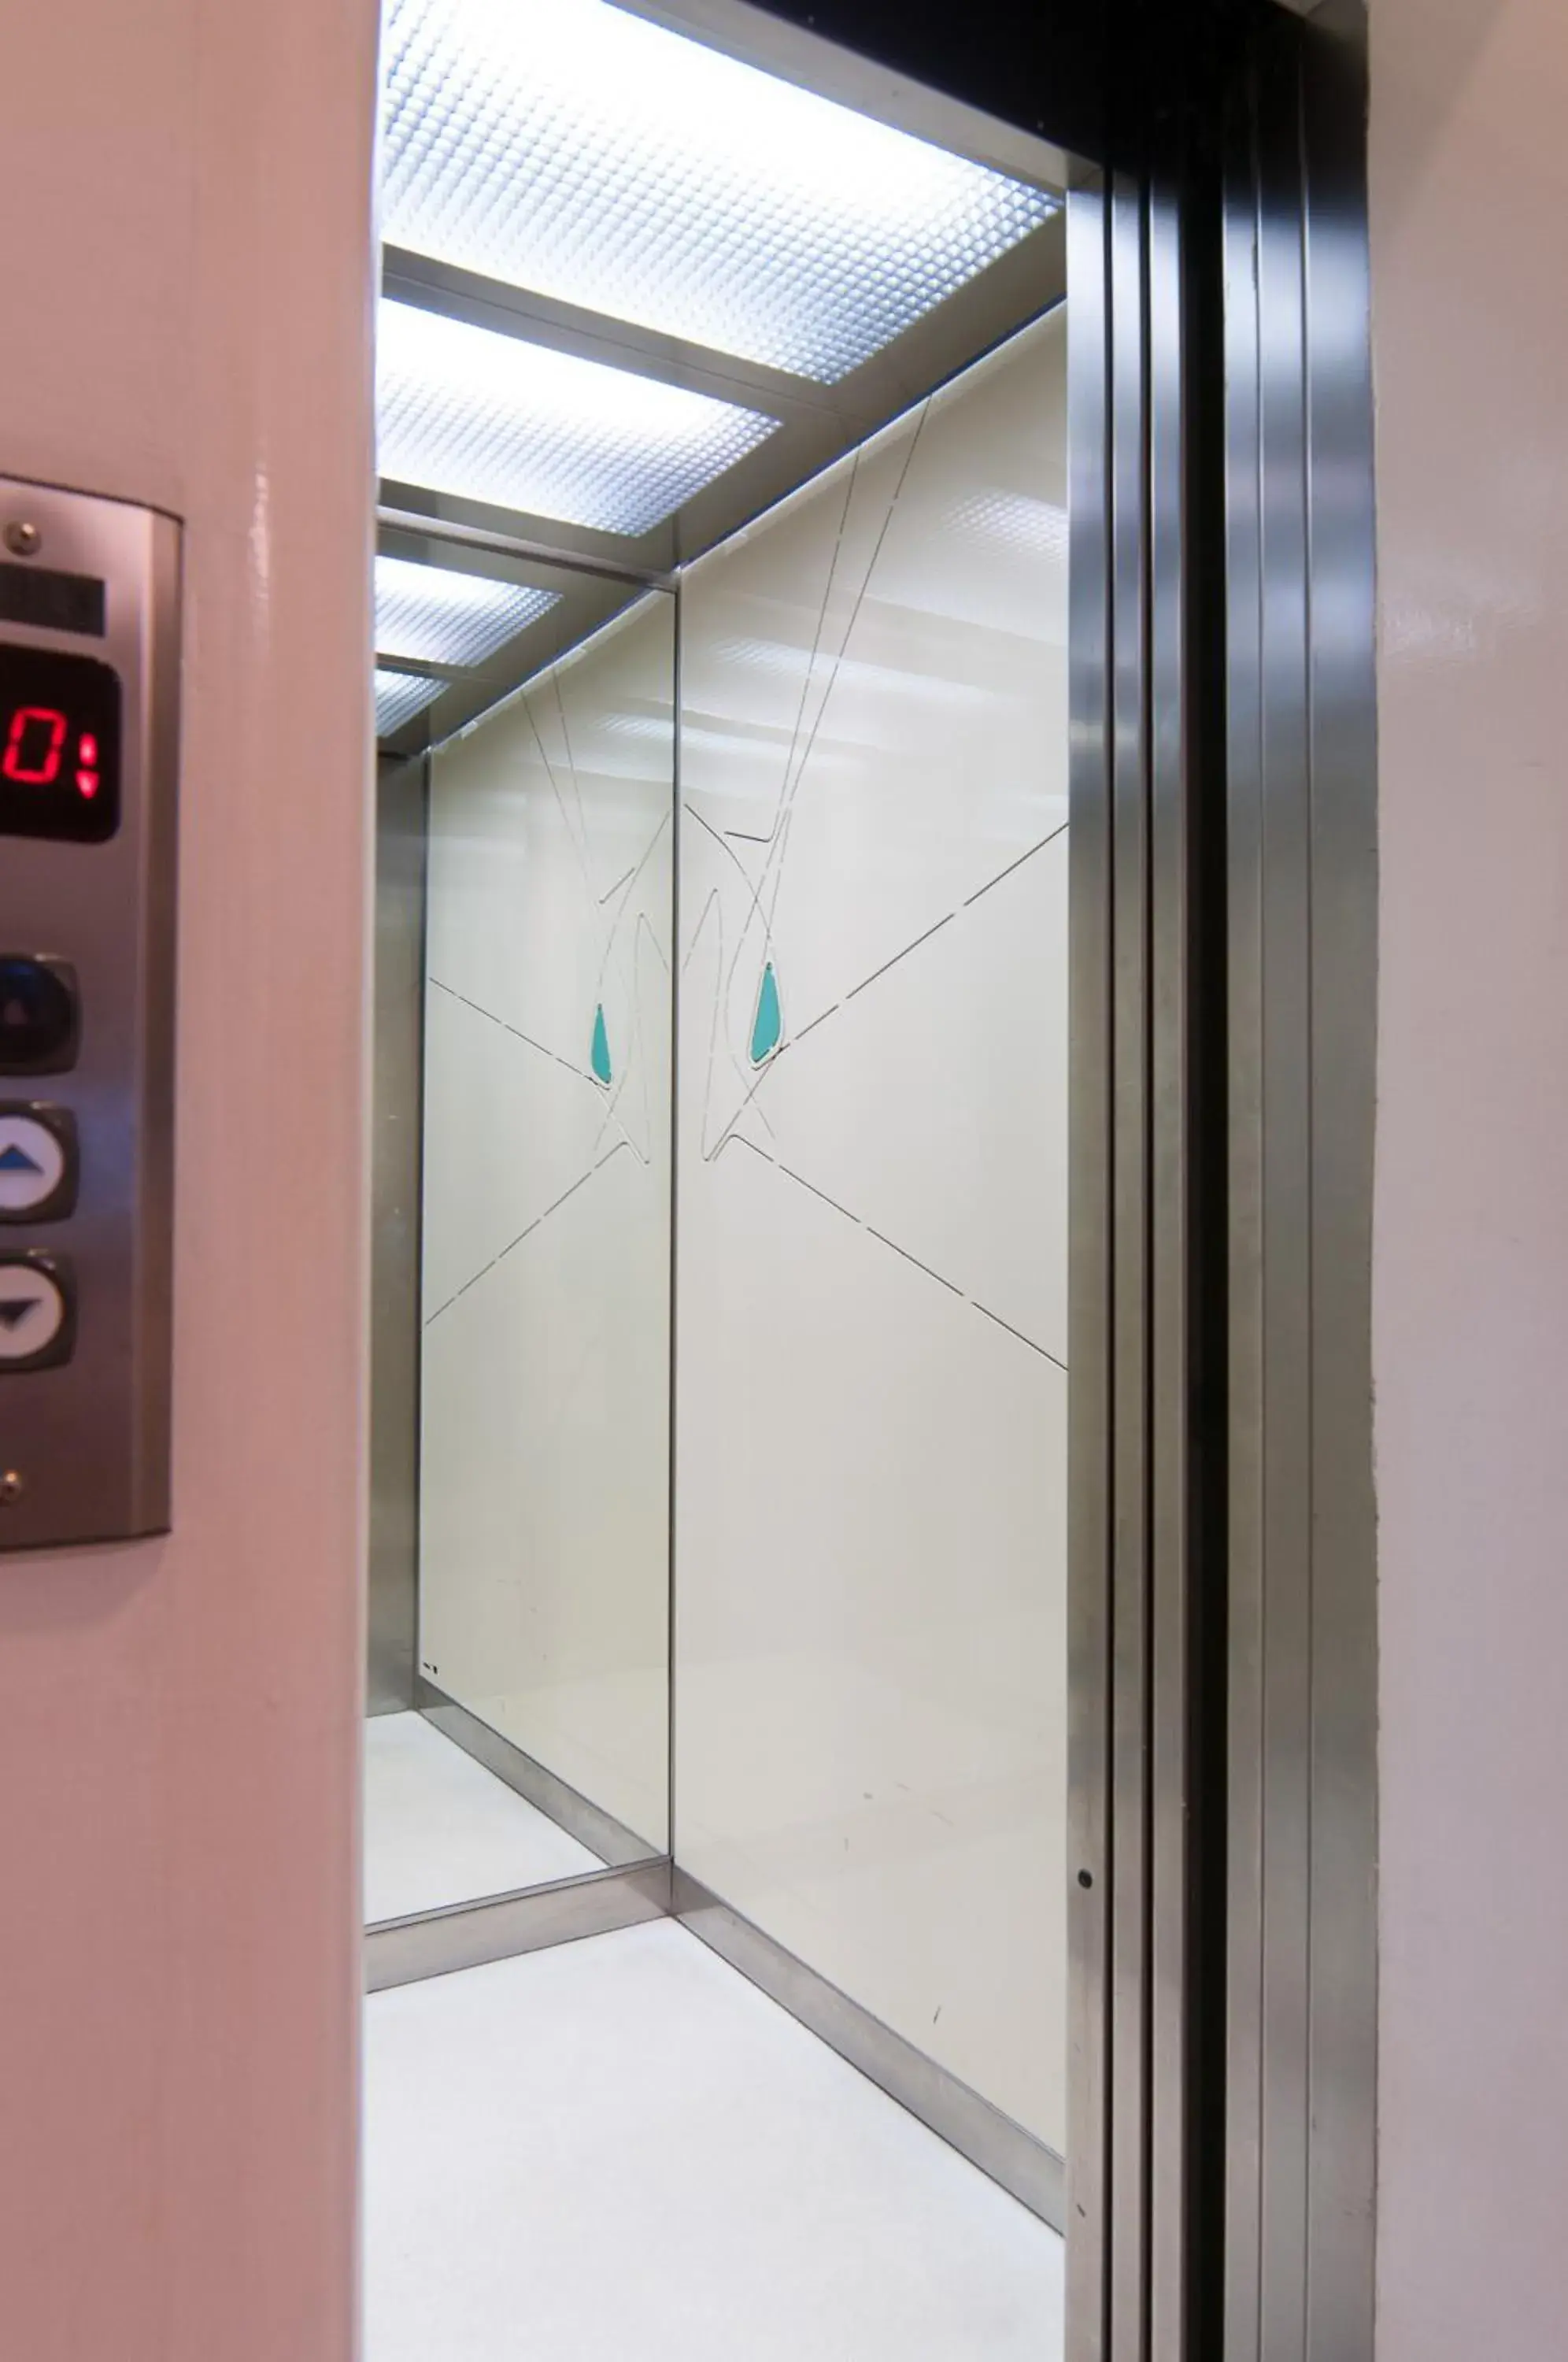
(38,1162)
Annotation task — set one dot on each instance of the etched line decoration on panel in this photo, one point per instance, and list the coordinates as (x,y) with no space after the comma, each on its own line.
(871,1516)
(545,1431)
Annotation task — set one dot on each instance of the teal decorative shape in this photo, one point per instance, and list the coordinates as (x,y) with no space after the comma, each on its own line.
(768,1023)
(599,1058)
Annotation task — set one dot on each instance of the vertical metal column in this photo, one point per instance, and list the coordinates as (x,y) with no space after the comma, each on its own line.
(398,1028)
(1170,1179)
(1222,1718)
(1132,1228)
(1090,2051)
(1301,2010)
(1133,1247)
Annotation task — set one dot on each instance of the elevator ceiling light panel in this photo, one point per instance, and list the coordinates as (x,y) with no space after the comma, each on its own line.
(434,614)
(399,696)
(566,147)
(488,417)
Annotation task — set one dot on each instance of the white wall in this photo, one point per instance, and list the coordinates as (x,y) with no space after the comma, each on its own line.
(544,1496)
(184,277)
(1470,206)
(872,1322)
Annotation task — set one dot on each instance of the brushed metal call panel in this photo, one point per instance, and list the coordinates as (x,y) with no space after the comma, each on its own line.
(89,686)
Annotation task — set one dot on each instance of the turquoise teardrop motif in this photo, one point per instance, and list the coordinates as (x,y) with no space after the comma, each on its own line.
(768,1023)
(599,1058)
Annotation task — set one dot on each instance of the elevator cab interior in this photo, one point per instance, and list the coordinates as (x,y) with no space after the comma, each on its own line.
(718,1580)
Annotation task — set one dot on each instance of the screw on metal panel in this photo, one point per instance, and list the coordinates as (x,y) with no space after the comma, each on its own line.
(23,538)
(12,1487)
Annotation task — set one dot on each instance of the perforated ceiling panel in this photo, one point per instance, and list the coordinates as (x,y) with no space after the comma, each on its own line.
(399,696)
(438,615)
(567,147)
(491,418)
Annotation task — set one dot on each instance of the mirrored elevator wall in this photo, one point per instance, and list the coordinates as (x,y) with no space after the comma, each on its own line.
(849,1673)
(545,1450)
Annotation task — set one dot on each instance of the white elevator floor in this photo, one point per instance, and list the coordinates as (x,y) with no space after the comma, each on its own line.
(619,2150)
(439,1829)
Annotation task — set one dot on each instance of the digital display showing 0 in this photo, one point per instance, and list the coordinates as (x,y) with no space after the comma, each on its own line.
(59,745)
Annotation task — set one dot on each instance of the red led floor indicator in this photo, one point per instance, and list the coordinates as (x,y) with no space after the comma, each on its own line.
(32,746)
(59,741)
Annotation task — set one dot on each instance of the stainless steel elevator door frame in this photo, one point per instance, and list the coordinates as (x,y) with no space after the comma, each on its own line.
(1223,1711)
(1301,2013)
(1138,1240)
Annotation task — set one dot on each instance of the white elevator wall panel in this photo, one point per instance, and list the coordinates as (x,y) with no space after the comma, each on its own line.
(871,1519)
(913,1122)
(859,731)
(543,1508)
(872,1727)
(576,150)
(987,487)
(765,621)
(508,1130)
(544,1419)
(549,855)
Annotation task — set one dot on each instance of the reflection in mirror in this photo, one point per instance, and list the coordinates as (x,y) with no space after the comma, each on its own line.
(534,1743)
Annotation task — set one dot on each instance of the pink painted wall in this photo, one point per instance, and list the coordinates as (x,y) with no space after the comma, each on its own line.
(1469,213)
(185,186)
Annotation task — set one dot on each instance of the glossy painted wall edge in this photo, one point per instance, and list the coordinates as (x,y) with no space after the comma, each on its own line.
(1469,197)
(184,281)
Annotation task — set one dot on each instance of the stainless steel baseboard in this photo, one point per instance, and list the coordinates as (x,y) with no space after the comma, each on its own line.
(616,1846)
(435,1943)
(1024,2166)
